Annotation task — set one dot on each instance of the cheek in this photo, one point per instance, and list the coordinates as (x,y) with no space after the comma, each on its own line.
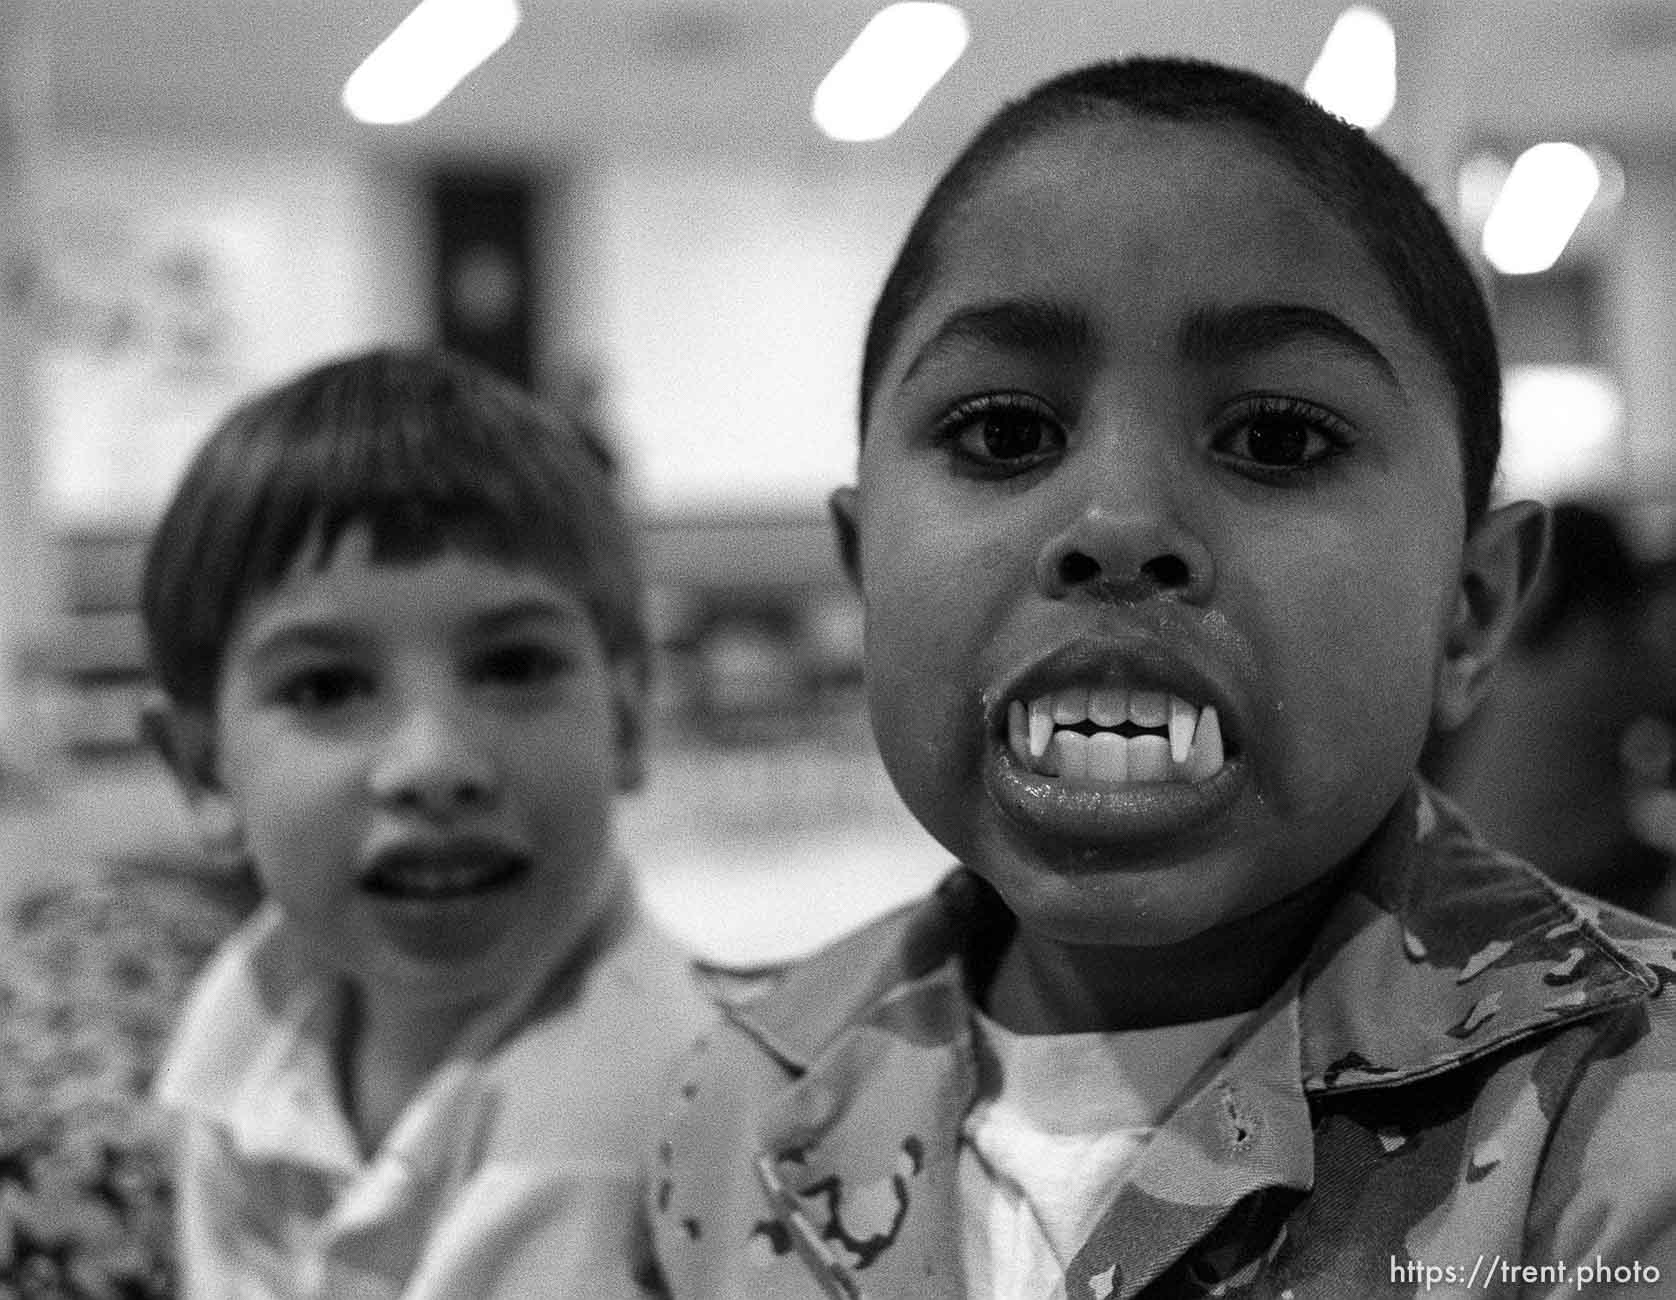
(929,583)
(927,622)
(571,792)
(935,565)
(1351,653)
(917,691)
(291,793)
(563,764)
(294,802)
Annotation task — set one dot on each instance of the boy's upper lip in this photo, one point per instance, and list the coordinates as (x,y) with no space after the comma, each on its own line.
(1150,659)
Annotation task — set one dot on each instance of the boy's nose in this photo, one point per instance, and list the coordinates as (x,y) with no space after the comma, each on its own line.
(431,766)
(1126,552)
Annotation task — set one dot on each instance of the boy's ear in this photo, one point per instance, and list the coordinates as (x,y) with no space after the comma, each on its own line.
(184,739)
(628,702)
(842,504)
(1499,568)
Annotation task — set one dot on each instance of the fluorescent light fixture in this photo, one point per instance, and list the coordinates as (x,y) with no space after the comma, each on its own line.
(431,51)
(890,67)
(1562,430)
(1547,192)
(1355,75)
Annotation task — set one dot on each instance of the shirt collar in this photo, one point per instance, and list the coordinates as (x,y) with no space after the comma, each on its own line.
(1475,947)
(254,1052)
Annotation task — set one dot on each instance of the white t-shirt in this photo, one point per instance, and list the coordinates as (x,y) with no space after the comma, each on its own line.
(1057,1120)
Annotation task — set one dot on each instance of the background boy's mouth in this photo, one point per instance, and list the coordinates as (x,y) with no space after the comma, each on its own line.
(442,873)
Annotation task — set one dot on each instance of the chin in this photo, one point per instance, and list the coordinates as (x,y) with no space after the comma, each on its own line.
(442,983)
(1114,906)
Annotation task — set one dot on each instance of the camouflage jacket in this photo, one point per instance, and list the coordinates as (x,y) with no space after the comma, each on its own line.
(1468,1088)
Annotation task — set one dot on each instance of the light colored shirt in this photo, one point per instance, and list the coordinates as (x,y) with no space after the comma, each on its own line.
(512,1173)
(1042,1152)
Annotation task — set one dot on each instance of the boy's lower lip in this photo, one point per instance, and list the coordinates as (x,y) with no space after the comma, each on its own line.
(1095,814)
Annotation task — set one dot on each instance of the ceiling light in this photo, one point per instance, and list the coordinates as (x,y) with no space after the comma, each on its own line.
(890,67)
(1355,75)
(1562,430)
(431,51)
(1546,194)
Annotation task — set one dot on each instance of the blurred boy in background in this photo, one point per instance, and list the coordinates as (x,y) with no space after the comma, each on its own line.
(395,610)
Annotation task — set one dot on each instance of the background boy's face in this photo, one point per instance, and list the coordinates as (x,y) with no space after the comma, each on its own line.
(421,758)
(1157,424)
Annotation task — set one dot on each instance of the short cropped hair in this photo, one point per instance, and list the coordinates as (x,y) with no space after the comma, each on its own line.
(1354,178)
(429,452)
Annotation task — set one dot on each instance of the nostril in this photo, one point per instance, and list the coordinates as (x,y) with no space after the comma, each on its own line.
(1077,568)
(1167,571)
(426,797)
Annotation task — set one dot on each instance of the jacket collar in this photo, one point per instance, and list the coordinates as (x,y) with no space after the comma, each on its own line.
(1476,948)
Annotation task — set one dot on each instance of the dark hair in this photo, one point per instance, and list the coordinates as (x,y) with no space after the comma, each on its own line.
(1351,175)
(428,451)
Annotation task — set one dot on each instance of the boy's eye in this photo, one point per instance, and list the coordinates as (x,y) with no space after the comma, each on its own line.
(519,664)
(1002,433)
(321,690)
(1278,436)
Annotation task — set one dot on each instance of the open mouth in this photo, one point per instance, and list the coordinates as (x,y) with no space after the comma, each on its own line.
(1116,736)
(432,874)
(1119,742)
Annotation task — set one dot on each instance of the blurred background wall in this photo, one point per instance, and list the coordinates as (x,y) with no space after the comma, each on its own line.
(630,208)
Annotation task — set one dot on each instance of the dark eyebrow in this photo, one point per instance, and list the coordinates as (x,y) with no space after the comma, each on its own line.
(505,617)
(1013,325)
(1213,334)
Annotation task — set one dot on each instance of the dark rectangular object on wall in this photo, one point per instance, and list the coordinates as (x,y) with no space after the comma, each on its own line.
(485,257)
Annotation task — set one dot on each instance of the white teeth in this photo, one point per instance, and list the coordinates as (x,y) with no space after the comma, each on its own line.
(1108,757)
(1071,749)
(1039,738)
(1041,726)
(1183,716)
(1205,759)
(1149,758)
(1149,708)
(1070,706)
(1108,706)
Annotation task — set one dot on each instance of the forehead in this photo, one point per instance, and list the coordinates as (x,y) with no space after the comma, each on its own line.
(450,587)
(1139,222)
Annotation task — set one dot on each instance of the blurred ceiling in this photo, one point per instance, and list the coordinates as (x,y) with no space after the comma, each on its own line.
(732,78)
